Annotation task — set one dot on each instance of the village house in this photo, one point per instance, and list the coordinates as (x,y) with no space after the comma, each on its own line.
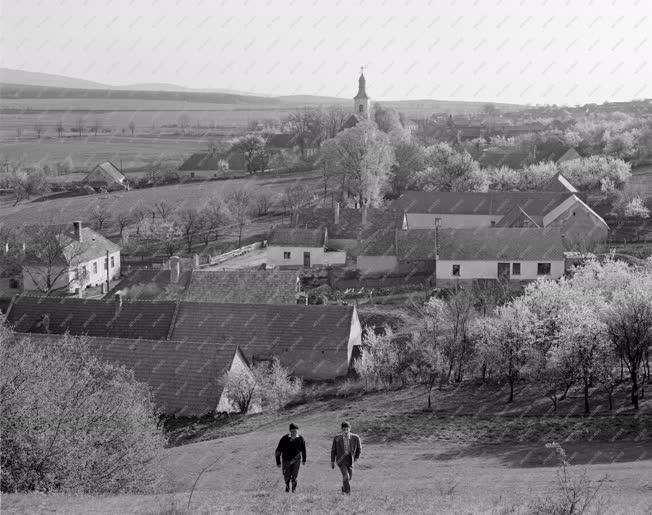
(294,247)
(313,342)
(581,225)
(463,255)
(82,258)
(107,176)
(184,377)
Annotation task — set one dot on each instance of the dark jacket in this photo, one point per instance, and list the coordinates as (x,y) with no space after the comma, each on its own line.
(337,451)
(289,449)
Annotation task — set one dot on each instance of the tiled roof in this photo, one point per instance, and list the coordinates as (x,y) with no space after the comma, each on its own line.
(517,217)
(243,286)
(295,236)
(112,171)
(184,377)
(479,203)
(350,221)
(265,328)
(416,244)
(510,243)
(135,319)
(378,239)
(569,155)
(559,183)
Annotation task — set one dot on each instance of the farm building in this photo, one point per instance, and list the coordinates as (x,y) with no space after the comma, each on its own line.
(77,257)
(581,225)
(484,253)
(314,342)
(184,377)
(106,175)
(295,247)
(569,155)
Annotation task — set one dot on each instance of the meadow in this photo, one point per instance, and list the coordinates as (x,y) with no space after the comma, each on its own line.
(195,194)
(474,454)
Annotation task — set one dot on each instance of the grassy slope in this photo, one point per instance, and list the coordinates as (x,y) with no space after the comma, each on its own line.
(63,210)
(413,461)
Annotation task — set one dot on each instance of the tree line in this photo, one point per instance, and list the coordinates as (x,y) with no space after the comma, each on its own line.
(592,330)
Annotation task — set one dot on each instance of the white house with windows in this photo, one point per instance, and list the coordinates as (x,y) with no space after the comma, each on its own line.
(294,247)
(459,255)
(77,258)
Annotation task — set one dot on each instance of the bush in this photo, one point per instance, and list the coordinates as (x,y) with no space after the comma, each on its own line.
(71,422)
(574,493)
(276,386)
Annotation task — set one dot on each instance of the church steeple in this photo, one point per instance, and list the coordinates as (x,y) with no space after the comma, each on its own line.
(361,100)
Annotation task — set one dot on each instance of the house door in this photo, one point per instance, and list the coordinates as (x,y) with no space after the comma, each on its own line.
(503,270)
(306,259)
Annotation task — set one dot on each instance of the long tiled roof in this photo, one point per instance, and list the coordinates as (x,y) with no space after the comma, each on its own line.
(135,319)
(491,243)
(265,328)
(479,203)
(184,377)
(262,328)
(243,286)
(416,244)
(297,237)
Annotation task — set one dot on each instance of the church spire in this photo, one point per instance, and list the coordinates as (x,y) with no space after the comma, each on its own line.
(361,100)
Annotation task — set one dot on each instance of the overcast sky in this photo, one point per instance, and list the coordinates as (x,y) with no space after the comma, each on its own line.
(525,51)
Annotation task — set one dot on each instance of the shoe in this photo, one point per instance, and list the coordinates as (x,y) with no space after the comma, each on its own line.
(287,487)
(294,486)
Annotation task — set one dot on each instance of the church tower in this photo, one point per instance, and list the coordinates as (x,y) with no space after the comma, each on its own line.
(361,100)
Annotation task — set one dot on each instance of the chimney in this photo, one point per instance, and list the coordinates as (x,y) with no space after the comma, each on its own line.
(364,215)
(118,302)
(336,209)
(77,227)
(174,269)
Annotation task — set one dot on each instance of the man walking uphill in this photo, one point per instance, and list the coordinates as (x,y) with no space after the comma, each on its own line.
(292,449)
(345,452)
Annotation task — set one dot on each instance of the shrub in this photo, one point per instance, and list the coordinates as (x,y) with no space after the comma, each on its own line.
(276,386)
(71,422)
(574,493)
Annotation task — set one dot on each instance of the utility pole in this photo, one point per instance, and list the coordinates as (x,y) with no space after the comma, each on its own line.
(108,280)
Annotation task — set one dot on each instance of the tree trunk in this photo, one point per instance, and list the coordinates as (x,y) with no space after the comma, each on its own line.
(611,400)
(634,375)
(587,383)
(568,387)
(484,372)
(511,388)
(240,236)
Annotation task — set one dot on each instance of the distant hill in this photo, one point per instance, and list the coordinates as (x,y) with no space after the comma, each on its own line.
(11,76)
(25,91)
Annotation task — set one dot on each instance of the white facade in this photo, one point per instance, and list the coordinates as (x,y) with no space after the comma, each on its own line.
(224,405)
(279,255)
(484,269)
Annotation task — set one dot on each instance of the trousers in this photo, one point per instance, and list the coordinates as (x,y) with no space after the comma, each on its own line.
(346,468)
(291,470)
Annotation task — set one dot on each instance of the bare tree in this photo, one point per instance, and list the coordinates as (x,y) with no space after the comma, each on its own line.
(27,183)
(189,222)
(100,218)
(124,219)
(263,201)
(184,122)
(138,213)
(164,209)
(95,126)
(52,259)
(38,129)
(294,197)
(132,127)
(59,128)
(80,126)
(238,205)
(214,219)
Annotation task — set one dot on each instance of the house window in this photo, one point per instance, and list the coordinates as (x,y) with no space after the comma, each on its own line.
(286,255)
(516,268)
(95,267)
(112,261)
(456,270)
(543,268)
